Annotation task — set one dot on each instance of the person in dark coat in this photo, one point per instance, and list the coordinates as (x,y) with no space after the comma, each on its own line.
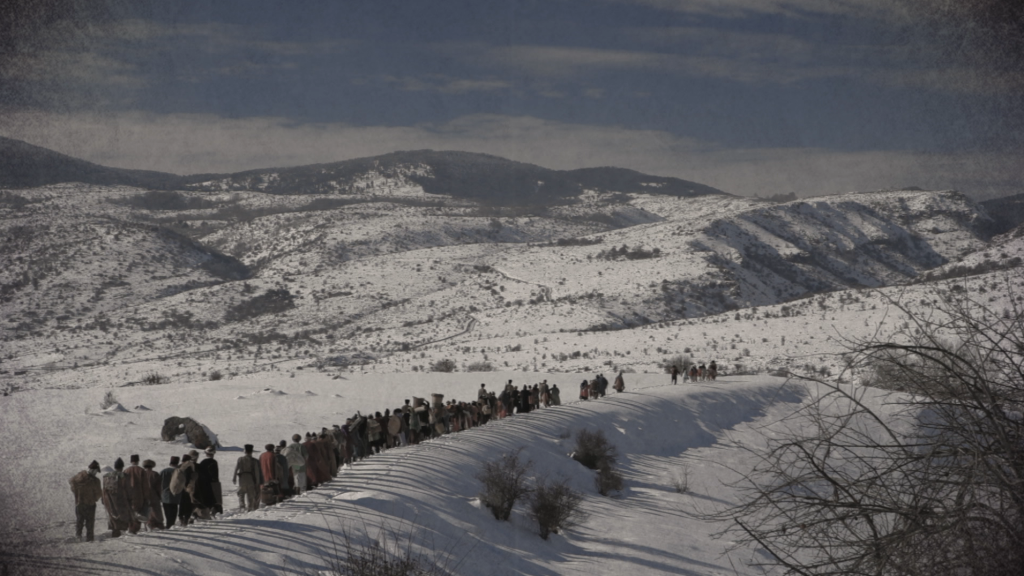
(117,501)
(88,490)
(312,461)
(188,468)
(206,496)
(137,481)
(154,511)
(168,500)
(248,478)
(287,484)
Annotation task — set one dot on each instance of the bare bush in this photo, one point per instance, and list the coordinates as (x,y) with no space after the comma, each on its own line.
(681,481)
(216,375)
(555,506)
(682,363)
(593,449)
(108,400)
(607,480)
(445,365)
(927,483)
(504,483)
(480,367)
(389,552)
(153,379)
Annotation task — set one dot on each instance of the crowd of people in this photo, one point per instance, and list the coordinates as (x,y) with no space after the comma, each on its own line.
(189,488)
(695,373)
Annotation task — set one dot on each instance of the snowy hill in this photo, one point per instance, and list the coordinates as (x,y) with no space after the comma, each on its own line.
(277,301)
(99,276)
(428,489)
(480,177)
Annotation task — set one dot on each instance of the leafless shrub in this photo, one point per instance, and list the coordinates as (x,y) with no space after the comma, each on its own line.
(480,367)
(445,365)
(108,400)
(388,552)
(930,483)
(153,379)
(593,449)
(216,375)
(681,363)
(608,479)
(504,483)
(555,506)
(681,481)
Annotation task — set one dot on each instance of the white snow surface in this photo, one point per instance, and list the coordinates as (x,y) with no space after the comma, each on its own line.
(427,490)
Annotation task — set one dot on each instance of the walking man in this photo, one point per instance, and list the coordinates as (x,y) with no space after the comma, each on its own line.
(169,500)
(117,501)
(154,511)
(87,490)
(248,478)
(296,455)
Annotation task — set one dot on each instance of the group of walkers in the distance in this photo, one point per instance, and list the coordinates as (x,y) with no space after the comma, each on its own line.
(189,489)
(695,373)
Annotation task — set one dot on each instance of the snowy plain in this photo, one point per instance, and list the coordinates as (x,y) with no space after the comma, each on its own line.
(427,493)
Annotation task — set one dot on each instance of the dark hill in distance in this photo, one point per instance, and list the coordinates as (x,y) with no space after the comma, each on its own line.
(23,165)
(470,175)
(480,177)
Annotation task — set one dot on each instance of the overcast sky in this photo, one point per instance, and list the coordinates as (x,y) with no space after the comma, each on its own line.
(750,96)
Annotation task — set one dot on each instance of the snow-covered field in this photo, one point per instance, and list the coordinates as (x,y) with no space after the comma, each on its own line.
(100,295)
(427,492)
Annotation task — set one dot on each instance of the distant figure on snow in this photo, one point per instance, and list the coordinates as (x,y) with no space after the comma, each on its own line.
(620,383)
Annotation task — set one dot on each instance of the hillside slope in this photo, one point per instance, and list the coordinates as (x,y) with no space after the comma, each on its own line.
(428,490)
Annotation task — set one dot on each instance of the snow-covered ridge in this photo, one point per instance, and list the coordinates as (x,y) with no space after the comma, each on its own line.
(429,488)
(93,279)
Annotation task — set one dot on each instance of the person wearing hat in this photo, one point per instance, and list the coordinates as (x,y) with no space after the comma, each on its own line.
(168,500)
(287,484)
(269,468)
(117,501)
(137,481)
(154,511)
(87,490)
(296,455)
(207,495)
(187,469)
(248,478)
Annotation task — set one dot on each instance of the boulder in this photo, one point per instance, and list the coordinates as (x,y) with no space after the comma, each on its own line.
(193,431)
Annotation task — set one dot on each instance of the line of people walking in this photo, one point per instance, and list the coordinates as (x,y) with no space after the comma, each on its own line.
(188,489)
(696,373)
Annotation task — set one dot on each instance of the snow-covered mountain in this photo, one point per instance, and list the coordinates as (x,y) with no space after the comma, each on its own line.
(279,299)
(97,275)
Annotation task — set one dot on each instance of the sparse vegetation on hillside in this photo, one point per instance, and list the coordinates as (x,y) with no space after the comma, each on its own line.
(443,365)
(504,483)
(624,252)
(272,301)
(480,367)
(556,506)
